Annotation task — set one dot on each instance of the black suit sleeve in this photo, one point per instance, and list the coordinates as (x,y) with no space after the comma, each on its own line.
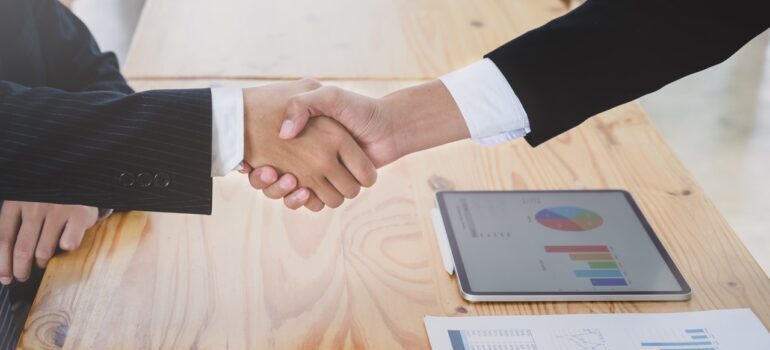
(72,58)
(144,151)
(609,52)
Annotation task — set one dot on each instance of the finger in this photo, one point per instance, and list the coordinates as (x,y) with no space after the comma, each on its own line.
(73,234)
(49,240)
(26,242)
(324,101)
(281,188)
(358,163)
(245,168)
(343,181)
(10,219)
(314,203)
(297,199)
(328,193)
(263,177)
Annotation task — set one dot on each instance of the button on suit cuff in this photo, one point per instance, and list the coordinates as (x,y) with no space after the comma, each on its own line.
(227,130)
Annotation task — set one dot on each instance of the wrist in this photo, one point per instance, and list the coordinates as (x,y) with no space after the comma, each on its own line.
(423,117)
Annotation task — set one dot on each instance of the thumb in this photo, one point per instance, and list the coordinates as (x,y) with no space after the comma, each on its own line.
(324,101)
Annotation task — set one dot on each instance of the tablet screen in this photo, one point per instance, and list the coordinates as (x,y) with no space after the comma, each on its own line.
(555,241)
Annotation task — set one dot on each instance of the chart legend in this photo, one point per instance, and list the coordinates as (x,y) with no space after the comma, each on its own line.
(595,263)
(569,219)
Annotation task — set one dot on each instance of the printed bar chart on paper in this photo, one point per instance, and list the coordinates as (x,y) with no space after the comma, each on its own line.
(502,339)
(704,330)
(596,264)
(690,339)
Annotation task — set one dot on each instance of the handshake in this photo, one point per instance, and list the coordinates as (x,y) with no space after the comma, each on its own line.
(318,162)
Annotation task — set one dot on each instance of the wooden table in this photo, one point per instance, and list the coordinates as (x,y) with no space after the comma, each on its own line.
(385,39)
(255,275)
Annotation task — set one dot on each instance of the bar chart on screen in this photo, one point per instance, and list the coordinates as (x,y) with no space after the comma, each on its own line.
(592,262)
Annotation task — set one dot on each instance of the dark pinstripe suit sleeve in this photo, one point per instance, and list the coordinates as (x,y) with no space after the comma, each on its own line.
(71,56)
(144,151)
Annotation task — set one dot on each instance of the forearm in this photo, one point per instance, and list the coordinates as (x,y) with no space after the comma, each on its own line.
(608,52)
(424,116)
(148,151)
(73,60)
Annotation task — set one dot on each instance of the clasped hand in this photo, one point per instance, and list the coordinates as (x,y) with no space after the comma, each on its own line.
(324,161)
(321,161)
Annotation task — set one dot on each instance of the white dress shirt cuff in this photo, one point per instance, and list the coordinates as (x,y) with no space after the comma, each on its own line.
(227,130)
(489,106)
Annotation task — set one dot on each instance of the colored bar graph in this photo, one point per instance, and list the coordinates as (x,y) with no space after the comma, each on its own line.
(598,273)
(594,256)
(676,343)
(606,282)
(700,341)
(602,265)
(576,249)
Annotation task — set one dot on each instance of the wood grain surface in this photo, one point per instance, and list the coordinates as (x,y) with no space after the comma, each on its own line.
(385,39)
(257,276)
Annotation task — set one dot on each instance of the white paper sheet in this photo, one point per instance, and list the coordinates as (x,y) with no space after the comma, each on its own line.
(737,329)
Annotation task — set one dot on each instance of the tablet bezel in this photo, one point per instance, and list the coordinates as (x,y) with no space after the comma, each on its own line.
(471,295)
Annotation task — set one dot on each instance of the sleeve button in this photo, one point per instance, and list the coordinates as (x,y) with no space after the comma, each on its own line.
(162,180)
(144,180)
(127,179)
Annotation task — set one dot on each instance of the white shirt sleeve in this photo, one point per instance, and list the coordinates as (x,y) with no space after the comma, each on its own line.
(227,130)
(489,106)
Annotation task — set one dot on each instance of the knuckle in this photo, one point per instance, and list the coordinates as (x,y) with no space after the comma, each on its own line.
(22,253)
(272,193)
(370,177)
(322,165)
(69,245)
(44,255)
(353,192)
(255,182)
(310,82)
(335,203)
(331,96)
(5,242)
(295,102)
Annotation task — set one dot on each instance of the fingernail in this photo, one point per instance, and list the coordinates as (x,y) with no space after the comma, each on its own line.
(5,280)
(265,176)
(299,195)
(285,183)
(286,129)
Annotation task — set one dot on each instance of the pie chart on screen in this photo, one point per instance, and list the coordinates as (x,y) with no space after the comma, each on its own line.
(569,219)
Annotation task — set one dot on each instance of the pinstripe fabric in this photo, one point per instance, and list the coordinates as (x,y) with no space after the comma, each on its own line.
(71,129)
(9,333)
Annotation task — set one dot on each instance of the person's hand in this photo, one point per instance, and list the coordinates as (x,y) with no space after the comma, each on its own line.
(31,232)
(365,118)
(387,128)
(266,178)
(325,159)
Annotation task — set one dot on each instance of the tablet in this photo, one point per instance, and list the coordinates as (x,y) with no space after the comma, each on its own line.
(556,245)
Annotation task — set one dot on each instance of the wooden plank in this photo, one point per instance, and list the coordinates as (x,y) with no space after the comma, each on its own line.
(389,39)
(255,275)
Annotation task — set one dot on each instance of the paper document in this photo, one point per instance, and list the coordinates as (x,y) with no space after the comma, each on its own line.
(737,329)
